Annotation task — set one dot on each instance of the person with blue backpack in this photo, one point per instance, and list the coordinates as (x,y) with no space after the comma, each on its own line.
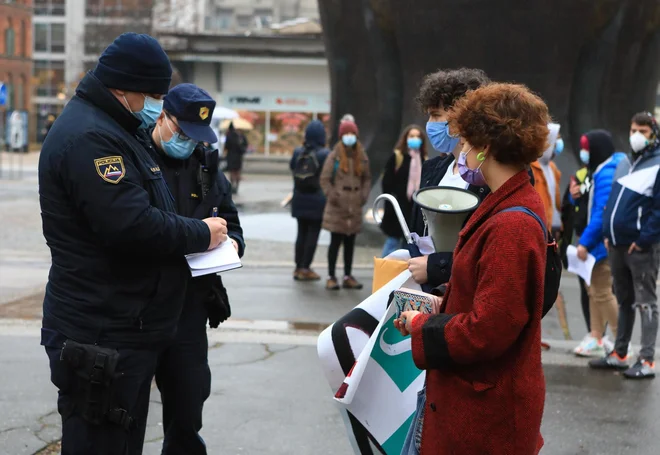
(597,151)
(631,226)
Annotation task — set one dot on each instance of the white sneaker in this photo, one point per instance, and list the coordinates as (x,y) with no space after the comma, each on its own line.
(590,347)
(607,344)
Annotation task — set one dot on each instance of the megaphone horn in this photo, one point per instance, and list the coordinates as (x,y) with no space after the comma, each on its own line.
(445,210)
(397,210)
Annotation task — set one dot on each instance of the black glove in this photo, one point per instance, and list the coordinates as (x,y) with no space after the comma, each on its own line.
(217,304)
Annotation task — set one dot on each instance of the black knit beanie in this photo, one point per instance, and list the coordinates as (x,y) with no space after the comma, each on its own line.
(135,63)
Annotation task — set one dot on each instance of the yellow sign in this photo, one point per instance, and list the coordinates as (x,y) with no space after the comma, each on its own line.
(204,113)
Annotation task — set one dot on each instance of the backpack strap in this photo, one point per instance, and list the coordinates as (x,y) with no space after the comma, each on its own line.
(530,213)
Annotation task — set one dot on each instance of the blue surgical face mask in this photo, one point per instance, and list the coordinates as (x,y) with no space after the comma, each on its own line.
(414,143)
(438,133)
(349,140)
(149,113)
(584,156)
(177,148)
(559,146)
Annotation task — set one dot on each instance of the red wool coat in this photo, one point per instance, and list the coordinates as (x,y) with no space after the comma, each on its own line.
(485,386)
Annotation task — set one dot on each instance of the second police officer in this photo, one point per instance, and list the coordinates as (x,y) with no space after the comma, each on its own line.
(191,172)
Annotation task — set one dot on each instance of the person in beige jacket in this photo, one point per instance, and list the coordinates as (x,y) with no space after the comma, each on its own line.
(346,182)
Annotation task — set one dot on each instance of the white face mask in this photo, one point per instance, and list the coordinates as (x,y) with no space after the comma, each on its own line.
(638,142)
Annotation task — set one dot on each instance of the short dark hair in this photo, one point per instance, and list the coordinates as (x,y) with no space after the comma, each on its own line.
(442,88)
(509,118)
(643,119)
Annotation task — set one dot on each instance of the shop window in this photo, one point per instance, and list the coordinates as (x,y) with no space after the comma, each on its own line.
(48,77)
(287,131)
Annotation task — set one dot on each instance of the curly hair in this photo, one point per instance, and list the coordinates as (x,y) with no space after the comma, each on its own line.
(442,88)
(509,118)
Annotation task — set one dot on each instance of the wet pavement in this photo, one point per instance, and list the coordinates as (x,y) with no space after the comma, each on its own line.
(269,395)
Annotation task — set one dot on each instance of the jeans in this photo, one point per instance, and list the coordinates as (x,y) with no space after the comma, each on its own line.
(392,244)
(349,246)
(413,442)
(635,277)
(308,238)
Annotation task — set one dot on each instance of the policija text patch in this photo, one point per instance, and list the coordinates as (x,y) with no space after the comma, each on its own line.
(111,168)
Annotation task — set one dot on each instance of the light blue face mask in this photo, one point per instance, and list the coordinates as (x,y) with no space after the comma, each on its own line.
(559,146)
(149,113)
(349,140)
(438,133)
(176,147)
(584,156)
(414,143)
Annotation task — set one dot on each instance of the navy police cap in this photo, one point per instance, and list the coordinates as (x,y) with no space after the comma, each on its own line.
(193,109)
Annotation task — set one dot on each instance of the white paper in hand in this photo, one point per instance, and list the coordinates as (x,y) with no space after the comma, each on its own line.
(581,268)
(220,259)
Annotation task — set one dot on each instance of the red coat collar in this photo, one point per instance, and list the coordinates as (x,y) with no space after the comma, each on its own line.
(494,203)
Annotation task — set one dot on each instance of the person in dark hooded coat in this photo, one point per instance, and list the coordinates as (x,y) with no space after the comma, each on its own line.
(308,202)
(235,147)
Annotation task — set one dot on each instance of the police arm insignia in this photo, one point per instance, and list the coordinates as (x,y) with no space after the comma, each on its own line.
(111,168)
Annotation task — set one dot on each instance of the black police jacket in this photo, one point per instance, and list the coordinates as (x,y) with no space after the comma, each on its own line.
(205,293)
(118,275)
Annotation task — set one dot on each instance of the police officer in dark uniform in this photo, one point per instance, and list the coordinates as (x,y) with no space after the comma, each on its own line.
(191,172)
(118,277)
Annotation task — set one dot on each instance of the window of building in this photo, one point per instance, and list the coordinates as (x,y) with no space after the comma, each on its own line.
(10,40)
(20,93)
(49,37)
(49,7)
(48,77)
(263,17)
(222,20)
(244,20)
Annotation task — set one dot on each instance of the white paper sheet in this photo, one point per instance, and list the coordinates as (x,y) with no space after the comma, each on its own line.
(581,268)
(220,259)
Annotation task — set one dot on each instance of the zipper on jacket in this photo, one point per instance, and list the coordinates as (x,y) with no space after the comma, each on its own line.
(618,199)
(639,218)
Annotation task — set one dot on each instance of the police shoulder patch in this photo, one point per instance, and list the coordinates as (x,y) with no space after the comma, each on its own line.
(111,168)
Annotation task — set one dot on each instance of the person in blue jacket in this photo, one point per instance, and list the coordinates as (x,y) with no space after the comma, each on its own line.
(599,155)
(118,277)
(308,201)
(631,224)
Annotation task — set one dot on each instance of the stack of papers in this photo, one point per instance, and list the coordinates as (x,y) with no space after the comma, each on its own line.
(220,259)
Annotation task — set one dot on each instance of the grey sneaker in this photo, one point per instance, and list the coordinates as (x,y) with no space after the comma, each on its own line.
(610,362)
(642,369)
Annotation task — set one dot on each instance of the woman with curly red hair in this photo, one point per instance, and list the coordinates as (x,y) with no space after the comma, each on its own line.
(485,389)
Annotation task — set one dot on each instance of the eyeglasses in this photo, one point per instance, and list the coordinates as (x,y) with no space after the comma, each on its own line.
(179,130)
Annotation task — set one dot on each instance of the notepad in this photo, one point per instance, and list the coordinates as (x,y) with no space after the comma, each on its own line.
(220,259)
(581,268)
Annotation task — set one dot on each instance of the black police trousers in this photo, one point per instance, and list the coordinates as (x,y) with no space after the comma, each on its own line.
(131,392)
(183,377)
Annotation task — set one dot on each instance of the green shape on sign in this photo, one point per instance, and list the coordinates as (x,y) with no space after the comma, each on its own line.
(394,444)
(399,367)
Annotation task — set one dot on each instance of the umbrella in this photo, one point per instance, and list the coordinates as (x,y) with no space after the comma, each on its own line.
(224,113)
(239,124)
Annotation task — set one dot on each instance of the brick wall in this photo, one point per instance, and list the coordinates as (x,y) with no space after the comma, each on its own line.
(16,69)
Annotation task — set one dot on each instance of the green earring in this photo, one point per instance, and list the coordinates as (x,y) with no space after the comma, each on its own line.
(481,156)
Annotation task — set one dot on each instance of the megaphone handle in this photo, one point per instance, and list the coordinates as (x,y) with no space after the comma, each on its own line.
(399,214)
